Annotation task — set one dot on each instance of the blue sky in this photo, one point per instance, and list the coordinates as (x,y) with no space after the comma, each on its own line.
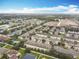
(40,6)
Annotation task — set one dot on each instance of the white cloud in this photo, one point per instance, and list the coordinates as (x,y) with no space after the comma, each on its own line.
(57,9)
(72,9)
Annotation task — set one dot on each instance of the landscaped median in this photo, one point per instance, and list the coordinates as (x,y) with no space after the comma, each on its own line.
(8,46)
(42,56)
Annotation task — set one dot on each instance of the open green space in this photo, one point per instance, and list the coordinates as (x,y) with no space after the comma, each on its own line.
(42,56)
(22,51)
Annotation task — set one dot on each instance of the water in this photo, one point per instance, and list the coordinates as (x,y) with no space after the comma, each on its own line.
(29,56)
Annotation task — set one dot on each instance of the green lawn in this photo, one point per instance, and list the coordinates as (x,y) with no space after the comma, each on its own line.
(22,52)
(45,57)
(42,56)
(37,55)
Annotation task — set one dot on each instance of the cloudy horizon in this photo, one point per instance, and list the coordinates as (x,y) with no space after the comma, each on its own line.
(70,8)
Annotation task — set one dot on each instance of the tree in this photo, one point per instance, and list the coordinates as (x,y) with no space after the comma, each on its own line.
(51,43)
(15,36)
(17,46)
(62,40)
(4,56)
(43,41)
(9,41)
(75,42)
(5,32)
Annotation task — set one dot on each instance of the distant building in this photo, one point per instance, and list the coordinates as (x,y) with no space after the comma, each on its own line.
(68,52)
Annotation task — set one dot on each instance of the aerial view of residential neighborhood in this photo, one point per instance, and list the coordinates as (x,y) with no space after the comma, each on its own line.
(39,29)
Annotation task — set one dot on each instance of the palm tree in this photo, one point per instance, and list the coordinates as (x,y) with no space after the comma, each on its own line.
(62,42)
(75,43)
(51,43)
